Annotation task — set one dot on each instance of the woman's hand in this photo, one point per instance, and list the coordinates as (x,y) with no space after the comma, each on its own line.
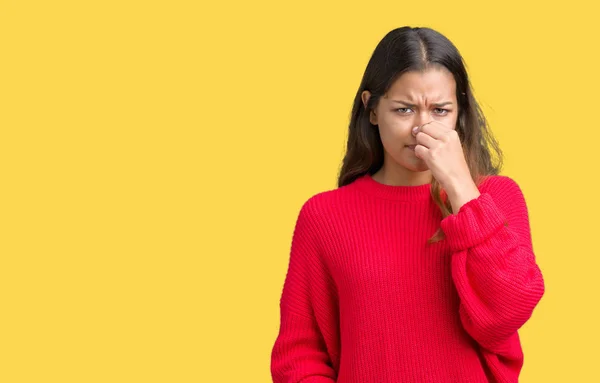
(440,147)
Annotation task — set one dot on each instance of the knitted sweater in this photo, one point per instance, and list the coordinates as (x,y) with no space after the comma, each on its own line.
(367,299)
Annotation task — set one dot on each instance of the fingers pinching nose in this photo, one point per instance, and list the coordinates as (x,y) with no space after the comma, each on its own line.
(416,129)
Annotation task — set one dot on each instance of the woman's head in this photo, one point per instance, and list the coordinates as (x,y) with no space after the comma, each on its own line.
(422,68)
(413,99)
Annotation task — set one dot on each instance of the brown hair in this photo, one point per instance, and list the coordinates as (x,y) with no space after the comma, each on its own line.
(417,49)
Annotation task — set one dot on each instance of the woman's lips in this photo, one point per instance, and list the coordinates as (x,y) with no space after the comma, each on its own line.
(411,147)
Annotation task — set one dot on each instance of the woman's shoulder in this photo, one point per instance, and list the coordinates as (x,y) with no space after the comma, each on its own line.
(322,200)
(505,191)
(327,202)
(498,183)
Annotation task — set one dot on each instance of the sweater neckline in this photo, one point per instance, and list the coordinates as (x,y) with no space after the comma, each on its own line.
(393,192)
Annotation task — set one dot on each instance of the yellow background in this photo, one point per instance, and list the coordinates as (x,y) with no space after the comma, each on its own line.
(154,156)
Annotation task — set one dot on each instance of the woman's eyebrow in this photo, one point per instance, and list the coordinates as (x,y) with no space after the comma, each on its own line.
(413,105)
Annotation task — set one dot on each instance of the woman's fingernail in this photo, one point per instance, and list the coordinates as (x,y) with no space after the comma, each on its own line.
(415,129)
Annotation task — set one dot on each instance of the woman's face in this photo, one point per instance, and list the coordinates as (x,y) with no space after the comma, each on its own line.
(414,99)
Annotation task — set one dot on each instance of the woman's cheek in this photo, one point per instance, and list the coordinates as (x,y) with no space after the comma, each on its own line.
(402,128)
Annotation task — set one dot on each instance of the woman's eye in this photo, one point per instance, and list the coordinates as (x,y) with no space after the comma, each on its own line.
(438,111)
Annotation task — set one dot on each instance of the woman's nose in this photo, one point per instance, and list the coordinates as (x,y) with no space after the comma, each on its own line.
(422,119)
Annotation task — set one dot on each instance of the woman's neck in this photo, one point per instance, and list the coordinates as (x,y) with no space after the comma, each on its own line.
(402,177)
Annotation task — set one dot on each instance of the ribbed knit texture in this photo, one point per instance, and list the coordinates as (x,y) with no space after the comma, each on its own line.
(367,300)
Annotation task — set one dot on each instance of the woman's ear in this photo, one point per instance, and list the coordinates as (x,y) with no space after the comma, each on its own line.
(365,96)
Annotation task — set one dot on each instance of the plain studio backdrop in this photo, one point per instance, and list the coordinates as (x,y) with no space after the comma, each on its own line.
(154,156)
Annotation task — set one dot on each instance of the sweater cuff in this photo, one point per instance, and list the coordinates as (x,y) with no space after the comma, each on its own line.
(475,221)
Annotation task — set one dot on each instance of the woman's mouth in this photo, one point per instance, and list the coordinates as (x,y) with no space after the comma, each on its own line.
(411,147)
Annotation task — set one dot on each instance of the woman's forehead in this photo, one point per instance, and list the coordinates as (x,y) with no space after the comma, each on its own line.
(432,84)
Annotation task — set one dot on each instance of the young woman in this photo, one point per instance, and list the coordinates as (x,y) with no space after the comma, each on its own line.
(419,267)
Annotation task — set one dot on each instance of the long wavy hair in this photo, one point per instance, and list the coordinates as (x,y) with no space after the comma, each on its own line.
(417,49)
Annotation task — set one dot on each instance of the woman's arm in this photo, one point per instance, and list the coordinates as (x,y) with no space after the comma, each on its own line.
(493,266)
(307,305)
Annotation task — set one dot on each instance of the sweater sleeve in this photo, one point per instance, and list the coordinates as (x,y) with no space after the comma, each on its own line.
(307,306)
(494,268)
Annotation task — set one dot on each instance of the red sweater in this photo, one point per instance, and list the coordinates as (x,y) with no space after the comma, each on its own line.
(366,299)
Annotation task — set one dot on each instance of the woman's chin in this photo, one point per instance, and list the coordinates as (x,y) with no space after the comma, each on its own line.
(423,168)
(416,165)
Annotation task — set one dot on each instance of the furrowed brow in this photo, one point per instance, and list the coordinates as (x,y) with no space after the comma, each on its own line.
(413,105)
